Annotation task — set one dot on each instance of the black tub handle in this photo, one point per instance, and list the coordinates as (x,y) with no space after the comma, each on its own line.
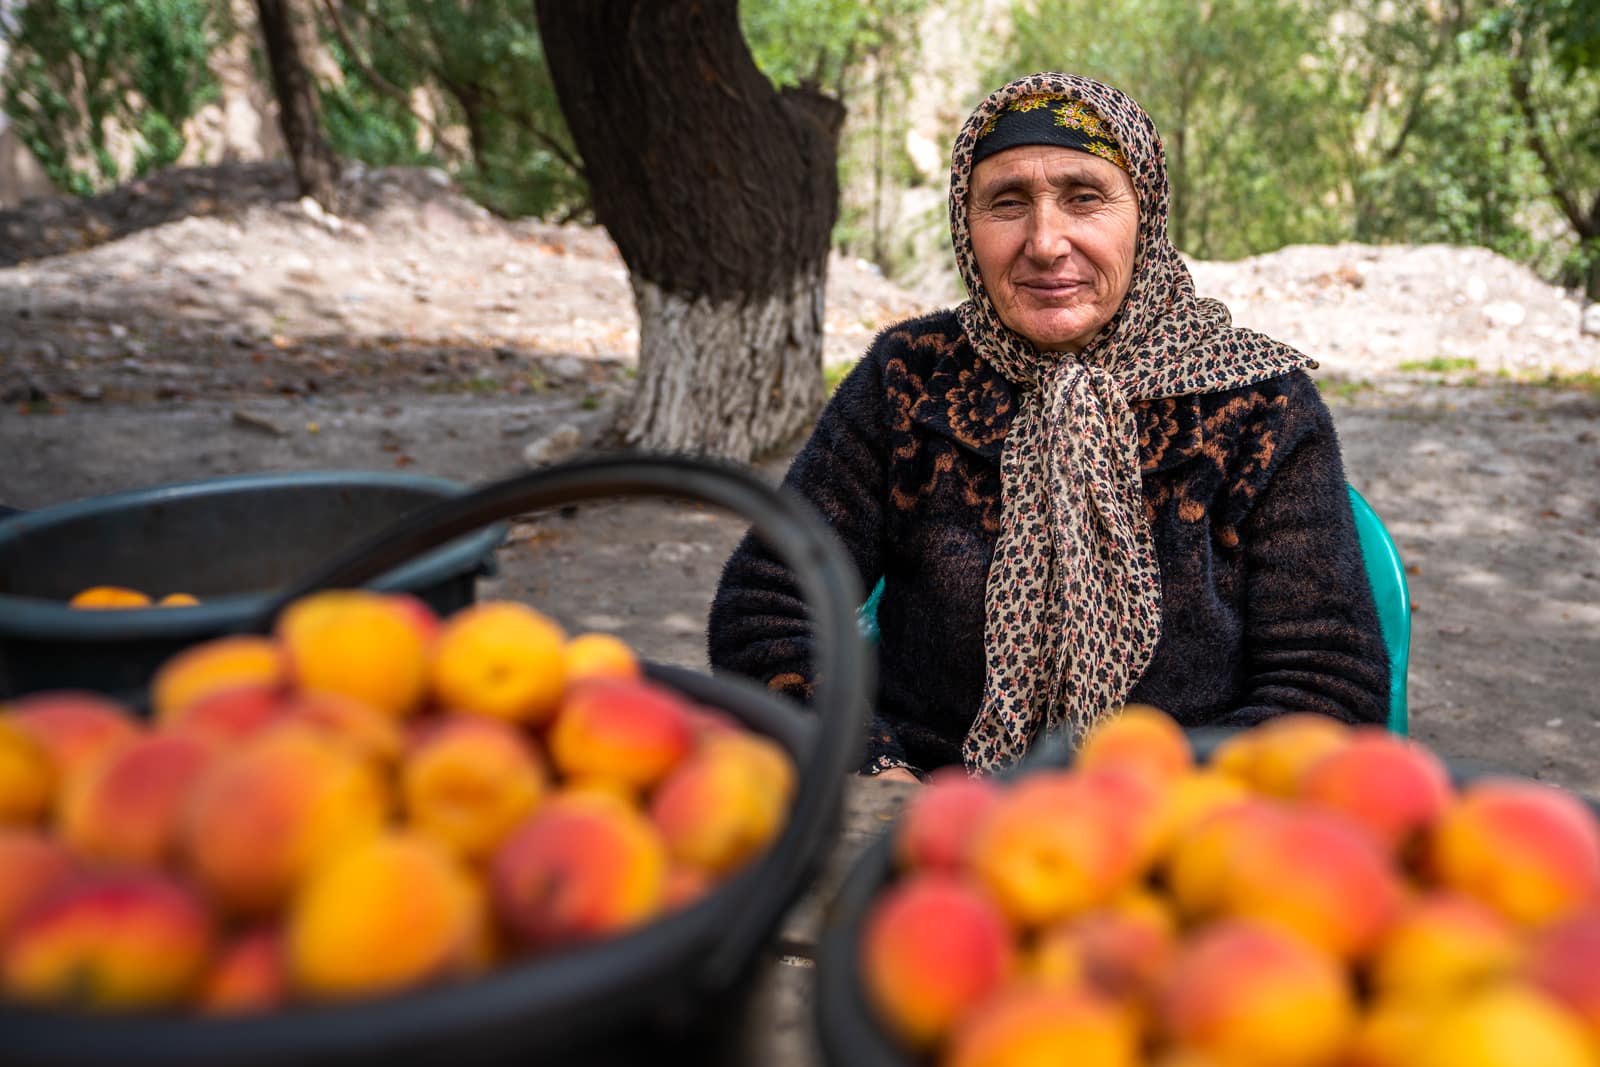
(789,526)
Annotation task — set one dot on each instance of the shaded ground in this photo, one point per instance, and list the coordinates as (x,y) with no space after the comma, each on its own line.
(421,334)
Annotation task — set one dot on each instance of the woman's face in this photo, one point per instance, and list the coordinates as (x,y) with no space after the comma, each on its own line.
(1054,231)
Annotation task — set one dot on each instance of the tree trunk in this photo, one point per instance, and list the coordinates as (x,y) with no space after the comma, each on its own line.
(720,193)
(316,168)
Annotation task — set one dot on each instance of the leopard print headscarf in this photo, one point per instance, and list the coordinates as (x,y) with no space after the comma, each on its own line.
(1073,600)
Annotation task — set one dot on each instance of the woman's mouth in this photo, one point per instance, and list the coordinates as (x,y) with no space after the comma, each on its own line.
(1052,288)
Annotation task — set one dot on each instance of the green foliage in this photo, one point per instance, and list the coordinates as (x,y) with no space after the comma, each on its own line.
(821,42)
(80,69)
(484,62)
(1225,83)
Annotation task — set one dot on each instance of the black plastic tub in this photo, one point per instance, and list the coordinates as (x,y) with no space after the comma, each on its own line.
(671,992)
(233,542)
(849,1031)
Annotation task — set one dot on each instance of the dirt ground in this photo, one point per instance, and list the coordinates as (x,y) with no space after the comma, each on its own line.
(205,323)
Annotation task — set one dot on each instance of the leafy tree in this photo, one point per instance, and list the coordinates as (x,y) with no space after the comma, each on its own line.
(82,69)
(1552,70)
(486,60)
(1225,83)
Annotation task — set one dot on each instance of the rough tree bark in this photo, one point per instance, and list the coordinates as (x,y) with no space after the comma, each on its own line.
(316,168)
(721,193)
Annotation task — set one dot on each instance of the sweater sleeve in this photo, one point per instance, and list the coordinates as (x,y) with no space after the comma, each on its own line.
(759,626)
(1312,641)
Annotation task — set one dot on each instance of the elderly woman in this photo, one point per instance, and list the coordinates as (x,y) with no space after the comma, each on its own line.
(1081,488)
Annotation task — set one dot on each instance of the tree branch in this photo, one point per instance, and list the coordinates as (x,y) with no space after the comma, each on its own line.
(1521,94)
(382,84)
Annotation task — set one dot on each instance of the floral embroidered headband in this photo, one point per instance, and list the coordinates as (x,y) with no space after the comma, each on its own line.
(1052,120)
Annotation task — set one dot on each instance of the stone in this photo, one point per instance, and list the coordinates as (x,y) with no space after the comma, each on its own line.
(554,447)
(1591,321)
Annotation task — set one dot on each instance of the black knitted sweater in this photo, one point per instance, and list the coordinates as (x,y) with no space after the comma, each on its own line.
(1265,603)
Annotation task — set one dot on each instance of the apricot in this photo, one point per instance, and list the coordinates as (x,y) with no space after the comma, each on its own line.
(725,802)
(33,865)
(126,941)
(1140,738)
(393,912)
(419,613)
(580,867)
(1197,866)
(932,947)
(100,597)
(1441,945)
(129,807)
(1122,950)
(1390,1033)
(248,975)
(269,812)
(597,655)
(210,667)
(178,600)
(1282,749)
(1531,851)
(502,659)
(75,727)
(358,644)
(1243,994)
(1564,962)
(1393,786)
(470,782)
(1024,1026)
(940,819)
(228,715)
(1318,876)
(1189,799)
(355,724)
(631,730)
(1050,848)
(1505,1025)
(27,779)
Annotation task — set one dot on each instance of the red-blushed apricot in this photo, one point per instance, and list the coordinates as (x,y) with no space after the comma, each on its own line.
(76,727)
(1123,949)
(264,815)
(359,644)
(1049,849)
(1441,945)
(1392,786)
(1249,995)
(933,946)
(129,808)
(1024,1026)
(940,818)
(31,865)
(420,614)
(1508,1024)
(468,783)
(631,730)
(501,659)
(126,941)
(597,655)
(1188,800)
(1139,738)
(725,802)
(580,867)
(1564,962)
(1530,850)
(247,976)
(212,666)
(228,715)
(27,779)
(1315,874)
(355,724)
(390,913)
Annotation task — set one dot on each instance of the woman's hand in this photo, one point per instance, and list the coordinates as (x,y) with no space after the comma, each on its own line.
(898,774)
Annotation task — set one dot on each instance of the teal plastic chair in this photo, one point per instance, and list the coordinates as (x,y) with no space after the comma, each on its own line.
(1385,574)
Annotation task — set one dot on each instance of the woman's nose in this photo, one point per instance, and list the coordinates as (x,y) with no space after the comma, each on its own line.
(1049,233)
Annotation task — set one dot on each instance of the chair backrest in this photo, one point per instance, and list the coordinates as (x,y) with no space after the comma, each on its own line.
(1385,574)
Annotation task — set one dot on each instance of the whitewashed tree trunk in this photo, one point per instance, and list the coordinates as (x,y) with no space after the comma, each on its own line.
(727,379)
